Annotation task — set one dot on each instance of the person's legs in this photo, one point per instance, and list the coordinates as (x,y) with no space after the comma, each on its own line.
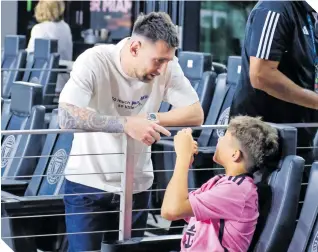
(83,218)
(139,218)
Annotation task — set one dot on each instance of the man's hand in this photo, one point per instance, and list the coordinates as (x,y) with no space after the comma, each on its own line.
(184,145)
(144,130)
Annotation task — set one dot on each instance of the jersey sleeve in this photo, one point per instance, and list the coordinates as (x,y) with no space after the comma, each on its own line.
(83,77)
(269,34)
(223,201)
(178,90)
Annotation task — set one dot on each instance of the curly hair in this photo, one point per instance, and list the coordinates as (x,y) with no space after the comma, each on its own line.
(49,10)
(157,26)
(259,141)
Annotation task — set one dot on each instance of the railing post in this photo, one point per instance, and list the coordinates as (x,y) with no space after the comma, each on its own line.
(127,186)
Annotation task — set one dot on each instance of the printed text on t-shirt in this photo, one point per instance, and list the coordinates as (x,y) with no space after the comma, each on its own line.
(130,104)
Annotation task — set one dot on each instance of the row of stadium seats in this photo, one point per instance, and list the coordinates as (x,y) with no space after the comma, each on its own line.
(278,203)
(40,67)
(41,193)
(55,149)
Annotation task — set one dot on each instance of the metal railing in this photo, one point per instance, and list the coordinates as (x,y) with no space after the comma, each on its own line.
(127,180)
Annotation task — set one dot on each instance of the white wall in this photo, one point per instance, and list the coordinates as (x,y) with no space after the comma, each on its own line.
(9,16)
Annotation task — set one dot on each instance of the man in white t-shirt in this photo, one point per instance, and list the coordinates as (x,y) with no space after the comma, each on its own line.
(118,89)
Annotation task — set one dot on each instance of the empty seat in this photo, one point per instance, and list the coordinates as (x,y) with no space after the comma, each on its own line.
(306,234)
(25,113)
(47,185)
(45,58)
(275,227)
(197,68)
(14,57)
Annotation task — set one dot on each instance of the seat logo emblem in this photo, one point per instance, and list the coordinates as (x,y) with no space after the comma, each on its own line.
(56,166)
(224,119)
(35,80)
(315,243)
(6,150)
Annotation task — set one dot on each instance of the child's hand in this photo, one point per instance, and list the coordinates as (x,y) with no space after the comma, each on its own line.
(184,144)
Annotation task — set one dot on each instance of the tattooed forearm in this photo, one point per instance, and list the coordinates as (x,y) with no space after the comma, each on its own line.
(72,117)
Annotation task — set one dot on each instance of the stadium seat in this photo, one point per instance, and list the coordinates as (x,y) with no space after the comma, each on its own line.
(278,202)
(306,234)
(47,185)
(25,113)
(218,114)
(14,57)
(197,68)
(5,111)
(45,57)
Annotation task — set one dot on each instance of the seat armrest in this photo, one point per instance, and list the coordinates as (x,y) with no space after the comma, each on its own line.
(16,187)
(207,150)
(138,244)
(165,143)
(8,197)
(30,205)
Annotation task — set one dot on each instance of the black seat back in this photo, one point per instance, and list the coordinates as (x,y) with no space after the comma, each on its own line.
(278,196)
(14,57)
(25,113)
(48,179)
(306,234)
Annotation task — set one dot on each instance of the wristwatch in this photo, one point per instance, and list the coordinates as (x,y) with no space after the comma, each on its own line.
(152,117)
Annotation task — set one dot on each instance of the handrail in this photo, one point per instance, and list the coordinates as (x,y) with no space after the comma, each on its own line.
(202,127)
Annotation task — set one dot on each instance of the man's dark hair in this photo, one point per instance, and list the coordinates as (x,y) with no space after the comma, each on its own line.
(157,26)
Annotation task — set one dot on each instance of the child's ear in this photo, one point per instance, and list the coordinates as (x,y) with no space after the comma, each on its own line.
(237,156)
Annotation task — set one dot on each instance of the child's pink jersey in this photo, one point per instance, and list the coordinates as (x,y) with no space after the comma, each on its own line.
(225,215)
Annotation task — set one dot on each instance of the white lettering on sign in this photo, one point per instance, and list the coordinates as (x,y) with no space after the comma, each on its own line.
(123,6)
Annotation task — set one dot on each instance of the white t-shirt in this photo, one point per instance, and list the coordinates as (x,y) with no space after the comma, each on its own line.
(99,83)
(62,33)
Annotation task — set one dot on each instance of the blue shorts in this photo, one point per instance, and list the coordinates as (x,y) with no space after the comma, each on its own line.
(92,221)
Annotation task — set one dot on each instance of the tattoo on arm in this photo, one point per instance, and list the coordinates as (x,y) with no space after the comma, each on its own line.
(73,117)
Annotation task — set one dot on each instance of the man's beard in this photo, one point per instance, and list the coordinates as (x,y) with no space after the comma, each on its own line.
(146,79)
